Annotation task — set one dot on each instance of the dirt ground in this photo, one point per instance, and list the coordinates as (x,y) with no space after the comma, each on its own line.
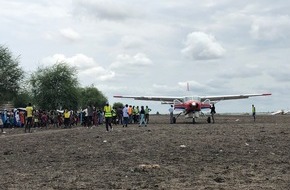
(233,153)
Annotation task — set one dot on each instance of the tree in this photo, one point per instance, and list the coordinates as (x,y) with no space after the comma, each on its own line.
(92,96)
(118,104)
(22,99)
(10,74)
(55,87)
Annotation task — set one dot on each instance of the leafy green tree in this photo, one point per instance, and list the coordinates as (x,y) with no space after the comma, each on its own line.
(22,99)
(118,104)
(10,74)
(55,87)
(92,96)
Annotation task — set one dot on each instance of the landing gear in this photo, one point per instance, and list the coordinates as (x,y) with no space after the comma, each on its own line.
(193,121)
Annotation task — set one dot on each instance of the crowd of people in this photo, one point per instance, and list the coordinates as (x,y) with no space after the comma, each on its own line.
(91,116)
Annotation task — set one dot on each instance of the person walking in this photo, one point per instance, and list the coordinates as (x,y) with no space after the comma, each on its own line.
(142,117)
(171,114)
(108,117)
(254,112)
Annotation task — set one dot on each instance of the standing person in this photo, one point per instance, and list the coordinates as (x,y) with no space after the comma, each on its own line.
(66,116)
(85,117)
(108,116)
(137,112)
(100,116)
(130,111)
(120,115)
(125,116)
(22,118)
(142,117)
(134,114)
(36,119)
(90,116)
(147,110)
(212,112)
(254,112)
(95,117)
(171,114)
(1,123)
(114,116)
(29,114)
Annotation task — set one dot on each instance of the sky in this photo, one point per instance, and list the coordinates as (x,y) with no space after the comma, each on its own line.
(143,47)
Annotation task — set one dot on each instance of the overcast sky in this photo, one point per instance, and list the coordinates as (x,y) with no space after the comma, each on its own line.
(142,47)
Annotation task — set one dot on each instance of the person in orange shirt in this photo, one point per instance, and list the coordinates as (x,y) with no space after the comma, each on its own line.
(22,118)
(130,112)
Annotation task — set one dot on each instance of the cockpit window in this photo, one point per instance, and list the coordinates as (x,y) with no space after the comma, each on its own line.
(188,98)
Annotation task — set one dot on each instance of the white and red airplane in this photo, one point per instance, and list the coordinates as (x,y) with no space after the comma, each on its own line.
(191,106)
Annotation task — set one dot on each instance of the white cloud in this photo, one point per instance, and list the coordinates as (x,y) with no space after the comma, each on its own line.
(202,46)
(139,44)
(88,70)
(69,34)
(128,62)
(270,28)
(131,42)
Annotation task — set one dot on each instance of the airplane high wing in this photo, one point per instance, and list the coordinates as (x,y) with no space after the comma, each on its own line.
(231,97)
(202,98)
(192,105)
(154,98)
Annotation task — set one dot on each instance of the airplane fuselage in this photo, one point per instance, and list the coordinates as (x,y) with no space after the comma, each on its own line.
(192,106)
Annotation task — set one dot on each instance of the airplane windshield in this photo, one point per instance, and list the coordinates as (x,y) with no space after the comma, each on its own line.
(188,98)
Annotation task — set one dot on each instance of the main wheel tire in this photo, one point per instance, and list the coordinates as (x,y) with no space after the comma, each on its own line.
(174,120)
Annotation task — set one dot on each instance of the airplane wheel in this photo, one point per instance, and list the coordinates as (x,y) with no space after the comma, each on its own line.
(208,120)
(174,120)
(193,120)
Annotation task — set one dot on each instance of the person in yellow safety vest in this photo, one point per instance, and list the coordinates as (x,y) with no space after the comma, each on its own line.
(108,116)
(66,115)
(114,116)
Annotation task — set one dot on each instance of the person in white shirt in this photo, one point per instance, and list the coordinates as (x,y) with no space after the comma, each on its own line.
(125,116)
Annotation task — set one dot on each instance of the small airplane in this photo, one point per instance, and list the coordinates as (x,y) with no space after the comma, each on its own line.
(191,106)
(281,112)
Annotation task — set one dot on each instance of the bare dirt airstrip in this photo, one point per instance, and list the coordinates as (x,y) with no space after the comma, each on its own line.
(233,153)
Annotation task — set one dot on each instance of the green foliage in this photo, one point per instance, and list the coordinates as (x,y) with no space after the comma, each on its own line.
(91,96)
(22,99)
(118,104)
(55,87)
(10,74)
